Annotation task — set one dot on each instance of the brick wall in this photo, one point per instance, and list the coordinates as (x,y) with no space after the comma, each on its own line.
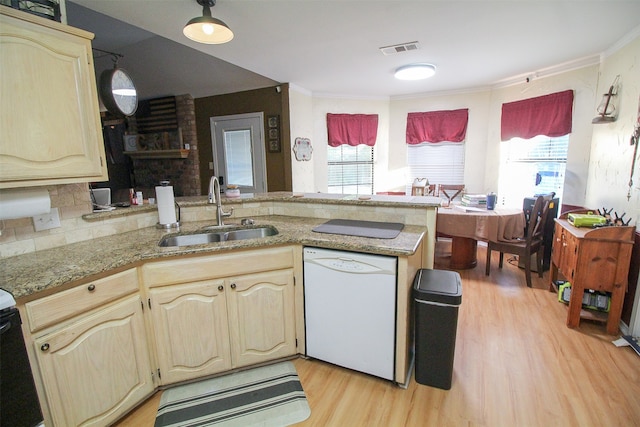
(184,174)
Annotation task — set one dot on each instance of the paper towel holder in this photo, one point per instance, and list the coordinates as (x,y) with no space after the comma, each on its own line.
(173,224)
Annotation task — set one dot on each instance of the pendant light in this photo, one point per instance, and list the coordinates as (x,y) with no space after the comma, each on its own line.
(205,28)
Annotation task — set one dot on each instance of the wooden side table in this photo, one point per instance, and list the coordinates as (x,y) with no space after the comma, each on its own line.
(596,259)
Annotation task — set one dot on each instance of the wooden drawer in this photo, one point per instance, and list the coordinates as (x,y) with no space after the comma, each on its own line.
(66,304)
(214,266)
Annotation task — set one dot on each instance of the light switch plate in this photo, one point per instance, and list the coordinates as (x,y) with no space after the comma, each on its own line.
(47,221)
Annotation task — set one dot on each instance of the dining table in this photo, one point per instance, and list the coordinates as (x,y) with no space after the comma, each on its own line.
(466,225)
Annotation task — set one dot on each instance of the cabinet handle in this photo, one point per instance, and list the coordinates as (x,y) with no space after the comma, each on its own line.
(221,288)
(233,286)
(91,287)
(44,347)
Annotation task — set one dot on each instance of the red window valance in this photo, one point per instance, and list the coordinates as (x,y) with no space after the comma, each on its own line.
(548,115)
(352,129)
(437,126)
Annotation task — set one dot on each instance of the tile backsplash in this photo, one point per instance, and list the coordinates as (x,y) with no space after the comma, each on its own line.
(72,200)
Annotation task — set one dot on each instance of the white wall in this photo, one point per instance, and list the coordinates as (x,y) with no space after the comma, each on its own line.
(301,126)
(476,139)
(324,105)
(483,131)
(583,82)
(599,158)
(611,152)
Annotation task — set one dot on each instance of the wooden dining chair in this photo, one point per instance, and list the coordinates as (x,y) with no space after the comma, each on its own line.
(448,189)
(432,190)
(527,246)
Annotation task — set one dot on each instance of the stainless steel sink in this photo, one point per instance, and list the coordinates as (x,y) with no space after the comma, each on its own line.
(217,236)
(251,233)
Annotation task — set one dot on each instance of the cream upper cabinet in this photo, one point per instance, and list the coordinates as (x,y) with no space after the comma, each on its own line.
(191,333)
(97,368)
(50,130)
(261,317)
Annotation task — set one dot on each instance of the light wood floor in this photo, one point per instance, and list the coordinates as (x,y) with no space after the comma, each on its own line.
(516,364)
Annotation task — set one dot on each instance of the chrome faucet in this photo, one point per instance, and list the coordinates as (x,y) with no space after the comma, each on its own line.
(214,197)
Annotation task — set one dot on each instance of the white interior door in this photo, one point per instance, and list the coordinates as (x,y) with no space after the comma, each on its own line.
(238,151)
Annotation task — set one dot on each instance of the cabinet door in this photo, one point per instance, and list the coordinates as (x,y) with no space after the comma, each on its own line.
(53,133)
(261,317)
(191,331)
(569,256)
(558,245)
(96,369)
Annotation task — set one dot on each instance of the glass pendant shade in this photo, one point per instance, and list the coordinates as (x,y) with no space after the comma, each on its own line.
(607,110)
(206,29)
(606,107)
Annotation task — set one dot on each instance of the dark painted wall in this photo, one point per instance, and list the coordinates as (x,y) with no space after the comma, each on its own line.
(266,100)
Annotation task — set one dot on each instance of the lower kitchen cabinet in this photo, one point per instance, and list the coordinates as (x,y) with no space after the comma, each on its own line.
(209,317)
(190,328)
(99,348)
(97,367)
(261,317)
(212,326)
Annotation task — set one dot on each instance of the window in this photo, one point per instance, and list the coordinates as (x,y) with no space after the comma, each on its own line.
(441,163)
(350,169)
(531,166)
(239,158)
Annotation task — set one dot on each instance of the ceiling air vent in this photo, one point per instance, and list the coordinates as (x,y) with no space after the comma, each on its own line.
(399,48)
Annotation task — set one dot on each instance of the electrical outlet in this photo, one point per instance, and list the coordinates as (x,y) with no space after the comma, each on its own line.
(47,221)
(210,166)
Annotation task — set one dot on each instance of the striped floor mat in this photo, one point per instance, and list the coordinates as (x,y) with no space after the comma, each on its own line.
(265,396)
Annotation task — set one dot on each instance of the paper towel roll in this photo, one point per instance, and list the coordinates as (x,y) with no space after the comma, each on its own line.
(24,202)
(166,205)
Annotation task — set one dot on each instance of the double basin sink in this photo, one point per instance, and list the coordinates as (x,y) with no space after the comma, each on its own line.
(216,235)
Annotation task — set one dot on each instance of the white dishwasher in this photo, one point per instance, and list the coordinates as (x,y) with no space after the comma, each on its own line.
(350,309)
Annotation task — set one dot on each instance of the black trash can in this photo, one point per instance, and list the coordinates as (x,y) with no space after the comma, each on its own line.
(437,295)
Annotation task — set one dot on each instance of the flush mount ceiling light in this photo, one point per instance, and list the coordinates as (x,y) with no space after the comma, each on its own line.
(415,72)
(206,29)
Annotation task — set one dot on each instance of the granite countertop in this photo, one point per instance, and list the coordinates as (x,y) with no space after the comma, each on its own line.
(283,196)
(43,271)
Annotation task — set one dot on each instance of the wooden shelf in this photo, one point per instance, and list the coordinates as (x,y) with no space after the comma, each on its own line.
(587,313)
(159,154)
(597,316)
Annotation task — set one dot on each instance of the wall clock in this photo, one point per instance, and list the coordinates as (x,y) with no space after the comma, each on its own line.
(118,92)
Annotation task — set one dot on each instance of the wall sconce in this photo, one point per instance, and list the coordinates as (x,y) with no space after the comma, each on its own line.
(606,110)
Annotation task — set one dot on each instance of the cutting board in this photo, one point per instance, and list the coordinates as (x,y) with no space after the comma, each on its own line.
(352,227)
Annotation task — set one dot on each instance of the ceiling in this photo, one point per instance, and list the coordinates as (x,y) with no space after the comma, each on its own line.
(331,47)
